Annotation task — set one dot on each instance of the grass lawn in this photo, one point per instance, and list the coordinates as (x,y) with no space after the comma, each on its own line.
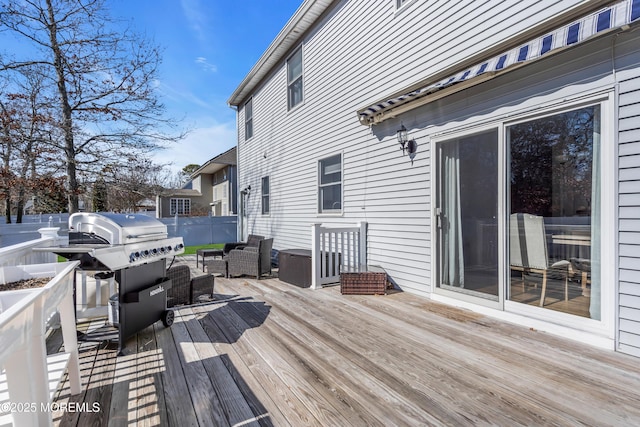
(191,250)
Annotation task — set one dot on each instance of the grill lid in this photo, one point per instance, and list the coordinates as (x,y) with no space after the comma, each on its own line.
(114,229)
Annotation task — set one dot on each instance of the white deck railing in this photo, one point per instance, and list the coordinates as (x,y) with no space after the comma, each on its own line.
(92,298)
(28,377)
(23,253)
(336,249)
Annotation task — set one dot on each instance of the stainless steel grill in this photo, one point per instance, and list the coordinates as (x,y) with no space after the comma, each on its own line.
(109,241)
(133,249)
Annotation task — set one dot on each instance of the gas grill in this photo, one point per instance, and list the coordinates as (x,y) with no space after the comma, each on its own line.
(110,241)
(134,249)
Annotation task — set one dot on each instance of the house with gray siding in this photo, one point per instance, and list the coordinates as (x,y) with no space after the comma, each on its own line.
(492,148)
(210,191)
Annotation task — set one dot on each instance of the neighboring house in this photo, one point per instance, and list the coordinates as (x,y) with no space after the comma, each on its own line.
(146,205)
(181,202)
(217,179)
(210,191)
(523,127)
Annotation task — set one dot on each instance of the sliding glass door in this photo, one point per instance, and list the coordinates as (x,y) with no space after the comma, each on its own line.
(554,225)
(517,213)
(467,215)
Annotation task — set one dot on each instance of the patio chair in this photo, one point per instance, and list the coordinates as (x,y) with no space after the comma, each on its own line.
(254,261)
(252,241)
(528,251)
(185,289)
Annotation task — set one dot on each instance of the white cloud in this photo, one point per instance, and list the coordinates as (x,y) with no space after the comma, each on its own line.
(199,146)
(206,65)
(181,96)
(196,17)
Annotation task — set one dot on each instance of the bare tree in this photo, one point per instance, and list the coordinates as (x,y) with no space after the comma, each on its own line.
(130,183)
(25,118)
(104,78)
(6,150)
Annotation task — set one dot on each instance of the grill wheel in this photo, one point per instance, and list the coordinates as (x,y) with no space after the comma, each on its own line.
(167,318)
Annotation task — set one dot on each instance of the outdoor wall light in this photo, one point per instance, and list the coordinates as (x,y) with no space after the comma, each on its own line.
(408,146)
(247,190)
(402,136)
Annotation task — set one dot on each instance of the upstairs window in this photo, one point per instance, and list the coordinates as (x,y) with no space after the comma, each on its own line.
(330,184)
(294,79)
(248,119)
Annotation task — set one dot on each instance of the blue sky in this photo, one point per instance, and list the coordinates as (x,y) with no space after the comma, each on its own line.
(209,47)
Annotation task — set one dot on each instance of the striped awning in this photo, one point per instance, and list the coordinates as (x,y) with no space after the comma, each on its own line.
(615,16)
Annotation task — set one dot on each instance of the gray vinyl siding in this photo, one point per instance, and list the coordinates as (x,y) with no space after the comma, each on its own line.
(629,215)
(360,52)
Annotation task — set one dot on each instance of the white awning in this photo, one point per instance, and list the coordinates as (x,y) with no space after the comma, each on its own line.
(612,17)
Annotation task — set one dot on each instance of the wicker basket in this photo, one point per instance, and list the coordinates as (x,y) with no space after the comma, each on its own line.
(372,281)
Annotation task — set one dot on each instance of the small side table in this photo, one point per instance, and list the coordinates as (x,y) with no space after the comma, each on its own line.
(207,253)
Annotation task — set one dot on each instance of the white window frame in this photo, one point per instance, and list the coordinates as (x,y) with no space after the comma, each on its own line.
(181,206)
(402,4)
(265,207)
(248,119)
(300,78)
(320,186)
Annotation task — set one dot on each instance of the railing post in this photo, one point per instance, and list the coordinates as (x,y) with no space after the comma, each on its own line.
(48,232)
(362,250)
(315,256)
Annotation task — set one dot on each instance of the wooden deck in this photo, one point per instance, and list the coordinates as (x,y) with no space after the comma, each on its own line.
(268,353)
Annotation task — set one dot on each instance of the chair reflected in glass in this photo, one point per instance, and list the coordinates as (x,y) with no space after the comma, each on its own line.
(528,252)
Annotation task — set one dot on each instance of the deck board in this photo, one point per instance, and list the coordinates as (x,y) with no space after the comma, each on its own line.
(180,409)
(227,396)
(266,353)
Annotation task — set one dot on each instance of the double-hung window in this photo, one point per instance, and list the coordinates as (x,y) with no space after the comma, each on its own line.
(294,79)
(248,119)
(265,195)
(330,184)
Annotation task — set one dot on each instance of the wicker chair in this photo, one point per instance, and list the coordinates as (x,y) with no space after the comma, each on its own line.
(254,261)
(252,241)
(187,290)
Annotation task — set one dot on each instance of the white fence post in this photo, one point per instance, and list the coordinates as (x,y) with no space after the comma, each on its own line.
(315,256)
